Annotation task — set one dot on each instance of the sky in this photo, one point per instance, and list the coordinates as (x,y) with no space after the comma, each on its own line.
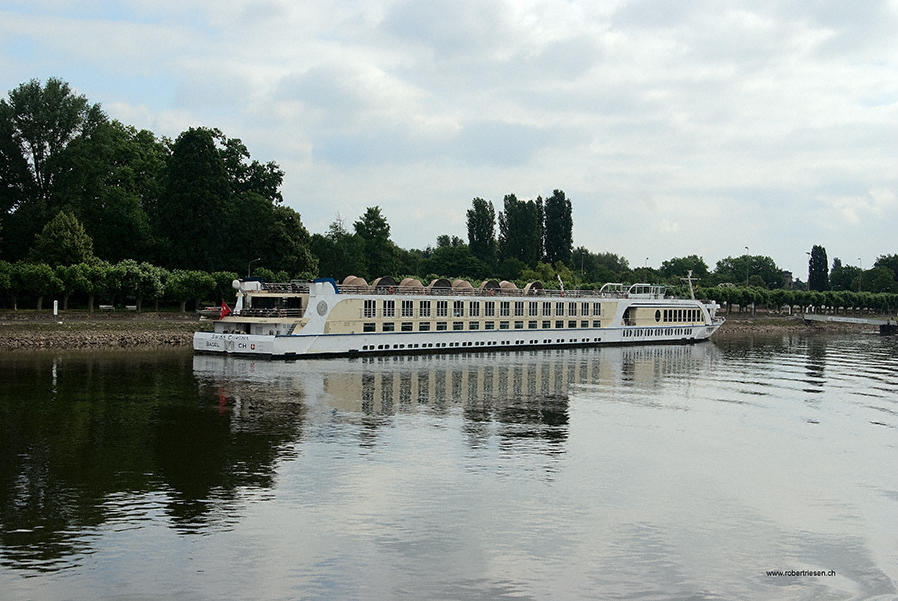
(675,128)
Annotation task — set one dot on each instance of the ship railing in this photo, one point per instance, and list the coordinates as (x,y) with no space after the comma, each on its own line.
(475,293)
(273,313)
(608,291)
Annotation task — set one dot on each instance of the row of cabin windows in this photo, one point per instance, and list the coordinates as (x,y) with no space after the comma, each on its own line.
(678,315)
(386,347)
(649,332)
(533,324)
(532,308)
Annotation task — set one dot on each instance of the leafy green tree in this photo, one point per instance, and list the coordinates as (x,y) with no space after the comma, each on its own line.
(879,279)
(37,125)
(841,277)
(339,252)
(818,269)
(482,230)
(559,228)
(193,214)
(454,262)
(34,279)
(740,269)
(678,267)
(520,231)
(380,252)
(599,267)
(184,285)
(889,262)
(75,279)
(63,241)
(116,180)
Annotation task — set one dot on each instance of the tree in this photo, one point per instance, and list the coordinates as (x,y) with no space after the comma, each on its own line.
(339,252)
(454,262)
(678,267)
(380,253)
(559,226)
(37,125)
(889,262)
(37,279)
(193,213)
(818,269)
(520,231)
(738,270)
(482,230)
(63,241)
(115,183)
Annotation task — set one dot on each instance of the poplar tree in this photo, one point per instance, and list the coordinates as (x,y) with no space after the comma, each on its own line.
(818,270)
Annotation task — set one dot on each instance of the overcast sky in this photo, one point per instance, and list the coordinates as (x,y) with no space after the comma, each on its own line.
(676,127)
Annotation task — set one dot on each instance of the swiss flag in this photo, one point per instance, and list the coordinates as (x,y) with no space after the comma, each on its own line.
(225,310)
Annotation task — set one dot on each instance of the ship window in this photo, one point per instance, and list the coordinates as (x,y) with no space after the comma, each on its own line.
(474,308)
(559,324)
(389,308)
(408,308)
(458,325)
(369,327)
(474,325)
(441,325)
(584,324)
(504,308)
(424,326)
(369,309)
(489,325)
(657,315)
(572,309)
(531,325)
(596,323)
(519,325)
(442,308)
(489,309)
(547,309)
(519,309)
(533,309)
(559,309)
(389,326)
(458,308)
(597,309)
(584,309)
(424,309)
(572,323)
(503,325)
(407,326)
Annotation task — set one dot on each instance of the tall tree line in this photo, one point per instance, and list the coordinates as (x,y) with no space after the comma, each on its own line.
(197,202)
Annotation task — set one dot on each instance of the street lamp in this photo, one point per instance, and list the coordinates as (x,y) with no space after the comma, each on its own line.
(747,264)
(860,277)
(250,265)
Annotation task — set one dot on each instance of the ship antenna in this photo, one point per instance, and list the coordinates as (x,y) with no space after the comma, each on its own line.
(560,283)
(690,279)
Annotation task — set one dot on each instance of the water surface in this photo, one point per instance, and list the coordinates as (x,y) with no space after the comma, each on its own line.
(662,472)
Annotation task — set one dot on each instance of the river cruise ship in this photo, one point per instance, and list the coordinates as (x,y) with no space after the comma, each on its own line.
(324,318)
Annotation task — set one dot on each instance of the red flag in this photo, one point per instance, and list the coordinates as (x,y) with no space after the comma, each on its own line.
(225,310)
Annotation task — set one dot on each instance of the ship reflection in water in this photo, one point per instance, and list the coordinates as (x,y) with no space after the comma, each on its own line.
(522,395)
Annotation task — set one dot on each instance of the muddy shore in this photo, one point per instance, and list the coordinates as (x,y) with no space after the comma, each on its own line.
(24,330)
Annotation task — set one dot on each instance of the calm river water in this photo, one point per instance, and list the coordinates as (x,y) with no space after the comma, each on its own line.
(664,472)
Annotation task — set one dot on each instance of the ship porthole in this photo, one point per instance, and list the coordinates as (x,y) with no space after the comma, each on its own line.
(657,315)
(322,308)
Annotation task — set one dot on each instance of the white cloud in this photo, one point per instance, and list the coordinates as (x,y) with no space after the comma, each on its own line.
(764,125)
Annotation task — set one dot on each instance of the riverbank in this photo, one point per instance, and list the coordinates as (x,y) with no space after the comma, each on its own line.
(24,330)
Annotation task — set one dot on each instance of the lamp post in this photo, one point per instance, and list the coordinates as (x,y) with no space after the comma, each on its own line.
(747,264)
(860,277)
(250,265)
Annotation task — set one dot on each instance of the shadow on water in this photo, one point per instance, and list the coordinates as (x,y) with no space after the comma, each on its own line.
(79,430)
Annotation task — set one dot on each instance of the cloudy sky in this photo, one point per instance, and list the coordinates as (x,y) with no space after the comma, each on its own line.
(676,128)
